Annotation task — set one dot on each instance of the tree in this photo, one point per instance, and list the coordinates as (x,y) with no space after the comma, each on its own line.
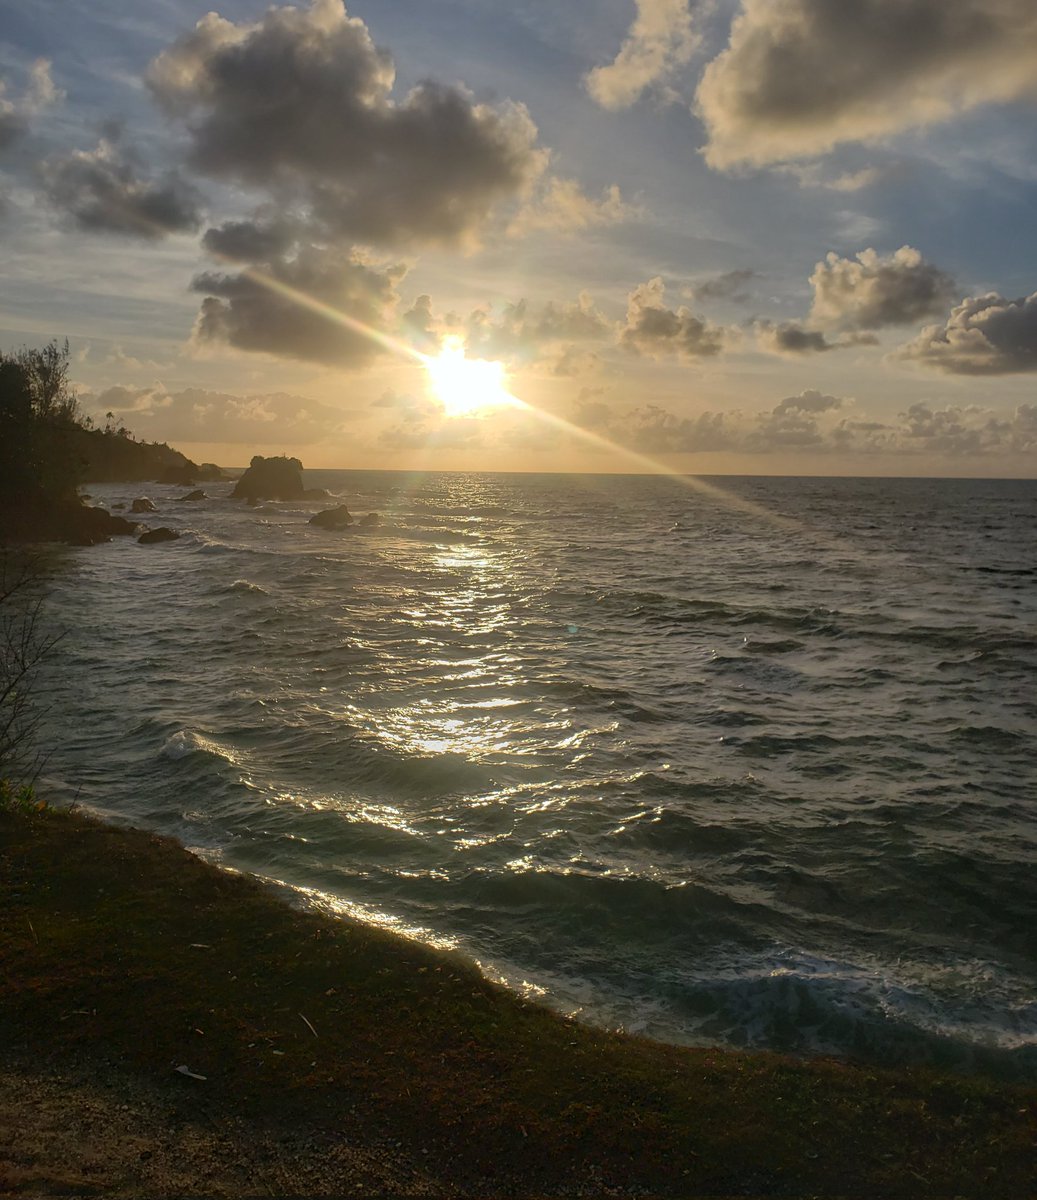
(24,644)
(39,423)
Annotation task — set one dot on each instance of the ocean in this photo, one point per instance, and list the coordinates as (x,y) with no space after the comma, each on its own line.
(746,764)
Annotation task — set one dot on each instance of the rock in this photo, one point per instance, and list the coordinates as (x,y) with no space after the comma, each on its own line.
(197,494)
(270,479)
(253,501)
(40,519)
(371,519)
(118,507)
(162,534)
(316,494)
(87,526)
(333,518)
(142,504)
(183,474)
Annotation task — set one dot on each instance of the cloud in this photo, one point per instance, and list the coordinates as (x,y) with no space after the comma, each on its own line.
(810,175)
(791,339)
(564,207)
(518,332)
(816,424)
(875,292)
(809,401)
(15,115)
(102,190)
(967,431)
(196,415)
(655,330)
(300,103)
(289,308)
(801,76)
(729,286)
(661,39)
(255,241)
(984,335)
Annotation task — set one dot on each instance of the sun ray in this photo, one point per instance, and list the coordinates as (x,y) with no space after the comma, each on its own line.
(488,382)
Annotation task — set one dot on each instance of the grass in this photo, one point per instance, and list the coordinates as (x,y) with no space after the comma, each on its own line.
(119,944)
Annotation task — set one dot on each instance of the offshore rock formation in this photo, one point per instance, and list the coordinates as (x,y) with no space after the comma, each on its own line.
(333,518)
(270,479)
(162,534)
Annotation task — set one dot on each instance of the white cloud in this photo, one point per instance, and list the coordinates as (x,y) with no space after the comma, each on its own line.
(802,76)
(875,291)
(660,41)
(563,206)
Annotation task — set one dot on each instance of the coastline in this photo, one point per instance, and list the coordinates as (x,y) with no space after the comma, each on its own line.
(338,1058)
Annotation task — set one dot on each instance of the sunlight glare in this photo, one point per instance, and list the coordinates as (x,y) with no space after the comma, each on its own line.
(467,386)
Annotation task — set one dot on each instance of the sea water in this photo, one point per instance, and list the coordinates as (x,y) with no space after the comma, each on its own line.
(747,764)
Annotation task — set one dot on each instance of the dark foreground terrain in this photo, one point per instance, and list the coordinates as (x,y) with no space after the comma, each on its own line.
(339,1060)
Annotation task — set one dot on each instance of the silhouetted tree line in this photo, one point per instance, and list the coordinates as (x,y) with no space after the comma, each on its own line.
(48,447)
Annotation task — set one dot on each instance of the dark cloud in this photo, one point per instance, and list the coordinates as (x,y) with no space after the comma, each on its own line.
(809,401)
(196,415)
(984,335)
(103,191)
(300,103)
(801,76)
(655,330)
(255,241)
(729,286)
(791,339)
(12,122)
(291,306)
(874,292)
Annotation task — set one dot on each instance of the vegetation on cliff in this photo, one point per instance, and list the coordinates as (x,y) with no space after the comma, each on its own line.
(48,447)
(120,949)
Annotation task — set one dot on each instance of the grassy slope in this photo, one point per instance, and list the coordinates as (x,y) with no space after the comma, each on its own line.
(119,944)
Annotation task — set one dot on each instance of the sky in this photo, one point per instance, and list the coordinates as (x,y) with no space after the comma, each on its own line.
(728,236)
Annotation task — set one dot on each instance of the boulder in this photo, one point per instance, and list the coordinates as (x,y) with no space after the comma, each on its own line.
(87,526)
(333,518)
(142,504)
(183,474)
(371,519)
(197,494)
(38,518)
(271,479)
(162,534)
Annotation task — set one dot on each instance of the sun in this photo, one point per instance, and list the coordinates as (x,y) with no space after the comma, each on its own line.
(467,386)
